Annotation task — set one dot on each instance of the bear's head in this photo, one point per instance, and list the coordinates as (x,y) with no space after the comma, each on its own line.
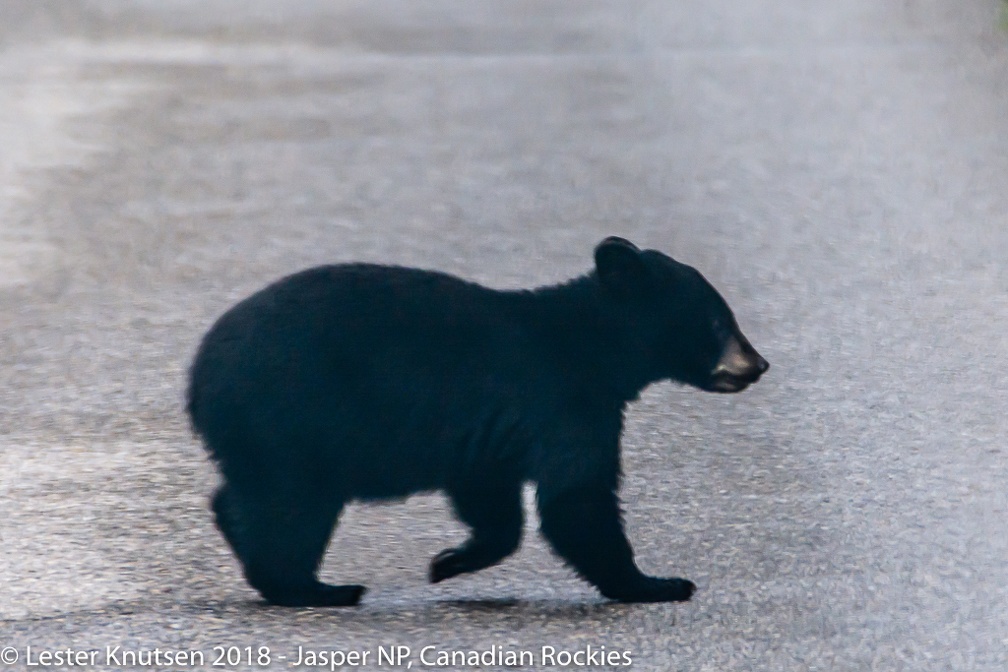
(678,324)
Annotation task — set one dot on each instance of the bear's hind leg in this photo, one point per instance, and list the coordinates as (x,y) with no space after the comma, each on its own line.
(494,512)
(280,546)
(585,528)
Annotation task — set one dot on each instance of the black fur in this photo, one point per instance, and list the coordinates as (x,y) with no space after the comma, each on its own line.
(369,382)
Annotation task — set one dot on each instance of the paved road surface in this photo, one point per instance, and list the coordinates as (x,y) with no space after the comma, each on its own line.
(838,169)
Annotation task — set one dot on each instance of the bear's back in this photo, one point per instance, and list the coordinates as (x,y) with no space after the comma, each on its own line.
(366,297)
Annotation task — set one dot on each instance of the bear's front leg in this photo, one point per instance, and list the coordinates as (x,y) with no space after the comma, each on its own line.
(584,526)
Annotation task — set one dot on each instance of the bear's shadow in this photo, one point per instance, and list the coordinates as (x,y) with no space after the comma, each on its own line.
(434,613)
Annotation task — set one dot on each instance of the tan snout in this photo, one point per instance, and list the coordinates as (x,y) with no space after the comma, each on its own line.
(739,366)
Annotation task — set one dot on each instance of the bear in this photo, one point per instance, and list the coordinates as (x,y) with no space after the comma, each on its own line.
(362,382)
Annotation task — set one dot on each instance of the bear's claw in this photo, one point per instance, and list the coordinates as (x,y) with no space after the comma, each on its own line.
(446,564)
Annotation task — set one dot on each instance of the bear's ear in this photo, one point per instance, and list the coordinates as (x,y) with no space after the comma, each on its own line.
(619,265)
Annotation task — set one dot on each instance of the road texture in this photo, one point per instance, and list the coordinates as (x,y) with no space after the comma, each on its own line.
(838,169)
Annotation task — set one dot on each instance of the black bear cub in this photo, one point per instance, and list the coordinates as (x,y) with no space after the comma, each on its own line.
(363,382)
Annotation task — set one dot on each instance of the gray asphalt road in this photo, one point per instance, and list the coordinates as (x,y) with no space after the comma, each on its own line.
(838,169)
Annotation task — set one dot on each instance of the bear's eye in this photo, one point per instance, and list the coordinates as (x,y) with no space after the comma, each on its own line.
(719,328)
